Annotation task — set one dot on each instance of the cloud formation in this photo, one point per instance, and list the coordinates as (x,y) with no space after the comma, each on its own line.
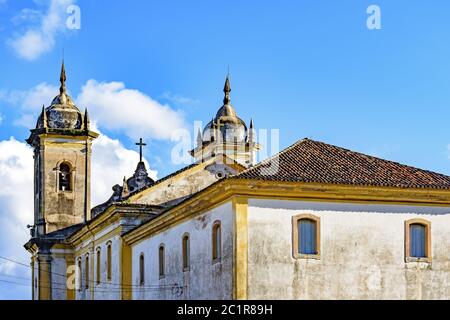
(16,209)
(111,105)
(116,107)
(111,161)
(40,37)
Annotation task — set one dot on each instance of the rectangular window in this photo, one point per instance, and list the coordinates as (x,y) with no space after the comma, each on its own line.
(186,253)
(98,267)
(306,236)
(86,273)
(417,234)
(161,261)
(417,240)
(216,242)
(109,266)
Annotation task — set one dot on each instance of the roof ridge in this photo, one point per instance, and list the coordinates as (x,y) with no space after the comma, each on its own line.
(381,159)
(309,160)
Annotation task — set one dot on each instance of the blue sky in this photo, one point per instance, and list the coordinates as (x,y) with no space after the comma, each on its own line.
(309,68)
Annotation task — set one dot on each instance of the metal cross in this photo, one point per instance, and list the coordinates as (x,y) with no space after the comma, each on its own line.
(140,144)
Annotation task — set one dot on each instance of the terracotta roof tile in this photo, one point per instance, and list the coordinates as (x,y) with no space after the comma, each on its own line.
(314,161)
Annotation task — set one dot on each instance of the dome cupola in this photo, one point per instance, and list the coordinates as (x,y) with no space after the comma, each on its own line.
(62,113)
(226,126)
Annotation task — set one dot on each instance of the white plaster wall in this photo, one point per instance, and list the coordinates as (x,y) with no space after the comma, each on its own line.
(205,280)
(107,289)
(362,253)
(58,276)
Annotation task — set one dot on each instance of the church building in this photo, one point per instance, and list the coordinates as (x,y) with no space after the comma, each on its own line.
(314,221)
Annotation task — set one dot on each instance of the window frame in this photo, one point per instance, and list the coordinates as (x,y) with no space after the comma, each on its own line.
(108,261)
(98,266)
(295,234)
(427,225)
(80,274)
(141,269)
(216,251)
(86,271)
(186,251)
(162,261)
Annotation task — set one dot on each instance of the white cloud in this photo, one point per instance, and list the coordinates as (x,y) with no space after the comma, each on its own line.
(179,99)
(30,102)
(111,105)
(115,107)
(16,207)
(111,161)
(1,118)
(40,38)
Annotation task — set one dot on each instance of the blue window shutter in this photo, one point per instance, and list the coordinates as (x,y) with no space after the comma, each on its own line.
(417,240)
(307,230)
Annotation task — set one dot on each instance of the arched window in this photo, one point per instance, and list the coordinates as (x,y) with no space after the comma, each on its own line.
(141,269)
(418,240)
(98,266)
(86,272)
(216,241)
(306,236)
(161,261)
(109,262)
(80,273)
(65,177)
(186,251)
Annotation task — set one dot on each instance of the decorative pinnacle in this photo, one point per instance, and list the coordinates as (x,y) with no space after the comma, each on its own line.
(62,79)
(86,119)
(44,117)
(227,90)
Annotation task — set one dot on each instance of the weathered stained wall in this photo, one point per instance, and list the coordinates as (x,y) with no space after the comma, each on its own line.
(362,253)
(177,188)
(61,209)
(58,275)
(106,289)
(205,279)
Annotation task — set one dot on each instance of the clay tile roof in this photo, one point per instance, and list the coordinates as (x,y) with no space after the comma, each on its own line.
(318,162)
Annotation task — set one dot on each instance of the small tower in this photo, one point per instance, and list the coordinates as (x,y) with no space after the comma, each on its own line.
(62,157)
(227,134)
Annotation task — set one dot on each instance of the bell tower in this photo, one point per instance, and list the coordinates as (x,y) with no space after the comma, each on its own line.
(62,143)
(227,134)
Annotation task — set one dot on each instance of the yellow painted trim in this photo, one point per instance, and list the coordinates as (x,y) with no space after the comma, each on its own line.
(427,225)
(44,278)
(240,268)
(222,192)
(70,293)
(98,241)
(201,166)
(126,269)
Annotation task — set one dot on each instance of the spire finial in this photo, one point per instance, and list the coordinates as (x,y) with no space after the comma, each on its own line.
(227,90)
(62,78)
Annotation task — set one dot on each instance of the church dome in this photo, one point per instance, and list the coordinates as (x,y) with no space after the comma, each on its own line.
(226,124)
(62,113)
